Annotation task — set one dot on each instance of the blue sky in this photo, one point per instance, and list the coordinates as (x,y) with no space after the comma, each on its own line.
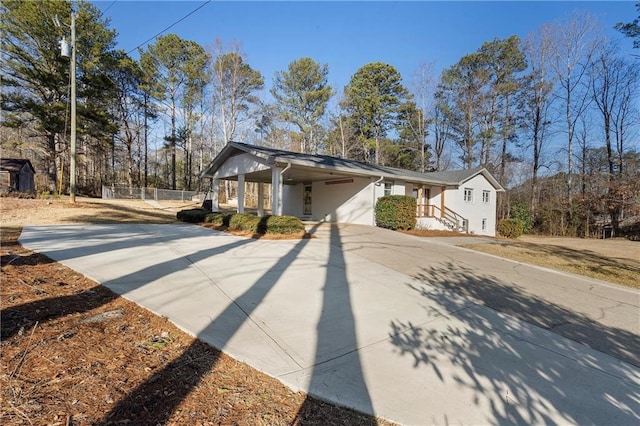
(348,35)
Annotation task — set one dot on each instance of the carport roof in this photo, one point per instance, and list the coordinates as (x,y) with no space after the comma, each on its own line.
(324,164)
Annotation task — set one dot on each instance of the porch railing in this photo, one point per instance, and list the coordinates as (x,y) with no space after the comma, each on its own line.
(447,216)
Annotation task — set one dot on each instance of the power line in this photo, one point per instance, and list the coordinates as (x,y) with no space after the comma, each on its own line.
(171,26)
(109,7)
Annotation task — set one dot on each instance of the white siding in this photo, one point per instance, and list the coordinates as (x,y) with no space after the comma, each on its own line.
(430,223)
(475,210)
(342,202)
(240,164)
(292,200)
(408,189)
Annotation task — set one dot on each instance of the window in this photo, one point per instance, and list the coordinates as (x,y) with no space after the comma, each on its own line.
(484,224)
(468,195)
(388,188)
(485,196)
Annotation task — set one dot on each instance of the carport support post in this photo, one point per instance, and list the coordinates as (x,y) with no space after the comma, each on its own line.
(276,184)
(215,188)
(240,193)
(260,199)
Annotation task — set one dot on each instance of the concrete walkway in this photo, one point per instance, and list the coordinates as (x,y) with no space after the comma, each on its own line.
(415,331)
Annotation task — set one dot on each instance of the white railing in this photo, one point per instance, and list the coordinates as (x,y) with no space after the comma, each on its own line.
(447,216)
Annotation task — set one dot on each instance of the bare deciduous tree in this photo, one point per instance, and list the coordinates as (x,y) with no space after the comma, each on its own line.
(234,85)
(536,103)
(573,43)
(614,84)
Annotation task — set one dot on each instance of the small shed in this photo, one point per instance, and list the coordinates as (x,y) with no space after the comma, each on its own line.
(17,175)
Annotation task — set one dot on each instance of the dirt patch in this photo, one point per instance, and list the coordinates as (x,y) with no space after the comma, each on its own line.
(73,352)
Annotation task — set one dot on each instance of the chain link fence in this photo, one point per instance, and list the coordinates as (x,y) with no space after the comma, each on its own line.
(156,194)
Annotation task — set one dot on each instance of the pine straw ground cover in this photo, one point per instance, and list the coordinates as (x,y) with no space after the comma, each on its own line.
(74,353)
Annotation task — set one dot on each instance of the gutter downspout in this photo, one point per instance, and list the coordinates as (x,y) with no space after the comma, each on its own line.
(285,169)
(280,206)
(373,200)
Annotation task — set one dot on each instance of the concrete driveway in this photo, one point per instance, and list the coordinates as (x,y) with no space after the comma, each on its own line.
(412,330)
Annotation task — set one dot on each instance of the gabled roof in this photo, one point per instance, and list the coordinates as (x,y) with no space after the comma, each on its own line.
(462,176)
(273,156)
(14,164)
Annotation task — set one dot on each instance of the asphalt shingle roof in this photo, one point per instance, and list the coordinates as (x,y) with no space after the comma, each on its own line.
(455,177)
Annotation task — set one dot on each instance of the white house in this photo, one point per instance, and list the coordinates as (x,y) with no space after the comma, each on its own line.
(319,187)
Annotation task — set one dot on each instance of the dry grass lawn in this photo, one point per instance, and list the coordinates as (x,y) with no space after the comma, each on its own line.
(614,260)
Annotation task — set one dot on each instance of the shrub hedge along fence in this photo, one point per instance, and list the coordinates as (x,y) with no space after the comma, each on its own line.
(244,222)
(396,212)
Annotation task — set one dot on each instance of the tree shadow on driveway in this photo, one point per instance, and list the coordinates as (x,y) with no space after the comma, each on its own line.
(337,326)
(508,299)
(525,375)
(171,385)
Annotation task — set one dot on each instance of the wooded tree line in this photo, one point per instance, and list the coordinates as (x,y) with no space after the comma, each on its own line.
(554,116)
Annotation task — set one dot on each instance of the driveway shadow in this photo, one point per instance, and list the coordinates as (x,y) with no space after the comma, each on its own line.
(485,348)
(171,385)
(527,307)
(337,324)
(15,317)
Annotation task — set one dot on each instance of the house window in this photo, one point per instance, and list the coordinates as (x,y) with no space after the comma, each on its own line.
(484,224)
(388,188)
(468,195)
(485,196)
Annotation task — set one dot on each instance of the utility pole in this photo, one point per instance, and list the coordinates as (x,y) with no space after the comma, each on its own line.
(64,51)
(72,168)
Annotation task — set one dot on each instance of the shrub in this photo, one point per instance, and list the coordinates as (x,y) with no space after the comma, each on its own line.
(266,224)
(396,212)
(520,210)
(510,228)
(192,215)
(219,219)
(283,225)
(244,222)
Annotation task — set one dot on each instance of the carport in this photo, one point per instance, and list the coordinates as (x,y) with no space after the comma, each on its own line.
(246,163)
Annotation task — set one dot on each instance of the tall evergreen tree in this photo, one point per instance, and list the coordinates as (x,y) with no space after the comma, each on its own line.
(372,105)
(632,29)
(36,77)
(302,94)
(176,70)
(463,99)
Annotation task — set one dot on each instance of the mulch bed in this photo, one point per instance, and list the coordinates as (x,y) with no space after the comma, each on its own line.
(73,352)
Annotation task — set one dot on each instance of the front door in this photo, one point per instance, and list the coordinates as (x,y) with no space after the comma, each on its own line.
(306,202)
